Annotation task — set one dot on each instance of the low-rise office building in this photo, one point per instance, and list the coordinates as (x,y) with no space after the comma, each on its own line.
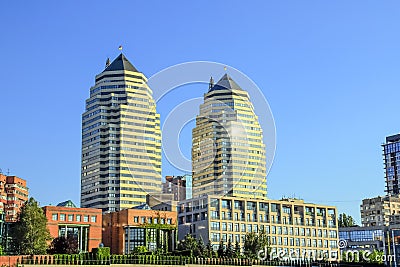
(362,238)
(292,225)
(370,238)
(67,220)
(127,229)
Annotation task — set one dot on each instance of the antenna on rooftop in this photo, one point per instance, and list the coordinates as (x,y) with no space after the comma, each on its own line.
(1,171)
(8,172)
(211,84)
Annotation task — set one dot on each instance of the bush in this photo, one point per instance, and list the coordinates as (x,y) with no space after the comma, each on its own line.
(103,252)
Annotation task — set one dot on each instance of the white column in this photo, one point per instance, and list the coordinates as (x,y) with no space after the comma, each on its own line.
(394,249)
(80,239)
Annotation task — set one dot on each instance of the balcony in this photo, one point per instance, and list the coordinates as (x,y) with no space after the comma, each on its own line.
(188,209)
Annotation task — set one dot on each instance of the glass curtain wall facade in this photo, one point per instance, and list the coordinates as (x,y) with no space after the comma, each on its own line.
(80,233)
(381,238)
(153,239)
(391,154)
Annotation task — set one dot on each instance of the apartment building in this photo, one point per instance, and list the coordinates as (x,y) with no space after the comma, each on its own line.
(291,224)
(13,194)
(380,211)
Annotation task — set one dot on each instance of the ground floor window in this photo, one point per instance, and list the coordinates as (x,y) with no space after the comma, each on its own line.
(153,239)
(80,233)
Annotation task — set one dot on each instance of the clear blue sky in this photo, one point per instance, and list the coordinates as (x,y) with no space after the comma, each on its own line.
(329,70)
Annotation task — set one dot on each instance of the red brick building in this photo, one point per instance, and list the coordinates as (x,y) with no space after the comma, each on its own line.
(84,224)
(140,226)
(13,194)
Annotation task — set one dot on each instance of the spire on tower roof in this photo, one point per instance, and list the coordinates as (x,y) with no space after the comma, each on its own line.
(121,63)
(211,84)
(225,83)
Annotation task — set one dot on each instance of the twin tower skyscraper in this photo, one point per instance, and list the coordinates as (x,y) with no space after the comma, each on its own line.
(121,142)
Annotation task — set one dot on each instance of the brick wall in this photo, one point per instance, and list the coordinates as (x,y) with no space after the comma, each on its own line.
(113,225)
(95,230)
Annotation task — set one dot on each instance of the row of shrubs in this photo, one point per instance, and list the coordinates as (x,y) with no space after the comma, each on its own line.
(96,259)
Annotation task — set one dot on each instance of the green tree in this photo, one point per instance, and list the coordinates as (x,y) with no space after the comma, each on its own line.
(64,245)
(209,250)
(345,220)
(376,257)
(221,251)
(237,251)
(101,252)
(190,244)
(253,243)
(30,233)
(139,250)
(201,247)
(229,252)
